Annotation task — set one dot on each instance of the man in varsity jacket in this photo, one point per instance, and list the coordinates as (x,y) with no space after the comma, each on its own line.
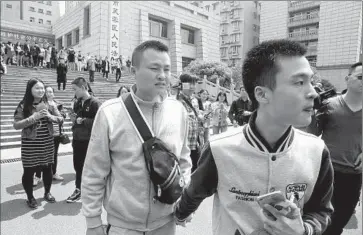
(267,154)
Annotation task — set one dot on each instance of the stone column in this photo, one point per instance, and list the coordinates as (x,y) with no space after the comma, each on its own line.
(201,42)
(144,26)
(175,48)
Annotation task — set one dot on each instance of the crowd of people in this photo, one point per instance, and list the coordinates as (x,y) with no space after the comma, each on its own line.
(319,178)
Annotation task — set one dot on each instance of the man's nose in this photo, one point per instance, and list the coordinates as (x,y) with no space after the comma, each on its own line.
(312,93)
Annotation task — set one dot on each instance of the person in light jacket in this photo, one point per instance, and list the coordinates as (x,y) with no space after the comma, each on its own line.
(220,114)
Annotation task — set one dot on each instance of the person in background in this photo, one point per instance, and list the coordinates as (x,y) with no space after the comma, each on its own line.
(62,70)
(82,117)
(71,59)
(91,67)
(9,53)
(205,107)
(53,58)
(27,55)
(57,129)
(339,123)
(128,64)
(105,67)
(113,65)
(118,69)
(122,90)
(19,54)
(187,88)
(240,109)
(219,114)
(41,56)
(79,61)
(48,55)
(34,116)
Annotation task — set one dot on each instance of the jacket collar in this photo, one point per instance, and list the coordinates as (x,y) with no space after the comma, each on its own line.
(255,139)
(158,100)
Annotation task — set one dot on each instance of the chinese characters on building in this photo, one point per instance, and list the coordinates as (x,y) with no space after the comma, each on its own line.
(115,24)
(22,37)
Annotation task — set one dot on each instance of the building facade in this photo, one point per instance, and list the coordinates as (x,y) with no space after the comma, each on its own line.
(28,20)
(115,28)
(239,27)
(331,31)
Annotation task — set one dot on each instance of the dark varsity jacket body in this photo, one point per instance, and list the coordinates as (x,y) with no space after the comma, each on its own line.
(237,167)
(87,111)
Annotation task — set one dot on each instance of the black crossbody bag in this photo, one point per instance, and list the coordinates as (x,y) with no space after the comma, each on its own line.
(162,164)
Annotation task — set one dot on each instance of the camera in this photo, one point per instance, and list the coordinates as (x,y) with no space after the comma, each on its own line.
(323,96)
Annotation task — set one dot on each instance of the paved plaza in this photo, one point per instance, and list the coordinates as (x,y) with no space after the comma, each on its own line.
(63,218)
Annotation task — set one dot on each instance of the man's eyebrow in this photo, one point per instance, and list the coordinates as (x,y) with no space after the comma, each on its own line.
(302,74)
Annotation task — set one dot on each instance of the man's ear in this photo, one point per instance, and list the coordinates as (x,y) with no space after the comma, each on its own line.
(262,94)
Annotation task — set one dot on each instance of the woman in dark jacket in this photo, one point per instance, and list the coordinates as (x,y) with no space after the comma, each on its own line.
(35,117)
(62,74)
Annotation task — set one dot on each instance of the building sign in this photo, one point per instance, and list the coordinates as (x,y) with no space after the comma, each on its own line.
(13,37)
(114,32)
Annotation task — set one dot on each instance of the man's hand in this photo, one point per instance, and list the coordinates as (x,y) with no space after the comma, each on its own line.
(284,225)
(184,222)
(96,231)
(181,222)
(358,162)
(73,117)
(79,120)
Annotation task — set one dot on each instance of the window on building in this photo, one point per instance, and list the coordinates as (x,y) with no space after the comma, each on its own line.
(49,3)
(40,21)
(235,37)
(236,13)
(186,61)
(32,9)
(77,36)
(255,15)
(234,50)
(9,6)
(215,6)
(231,3)
(49,22)
(69,39)
(235,25)
(49,13)
(41,1)
(158,28)
(86,21)
(224,16)
(224,52)
(224,29)
(41,11)
(224,39)
(187,36)
(32,19)
(255,28)
(207,8)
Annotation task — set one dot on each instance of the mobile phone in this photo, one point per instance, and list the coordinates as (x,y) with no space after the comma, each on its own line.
(271,198)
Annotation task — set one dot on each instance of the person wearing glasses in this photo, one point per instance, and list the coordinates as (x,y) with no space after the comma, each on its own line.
(340,124)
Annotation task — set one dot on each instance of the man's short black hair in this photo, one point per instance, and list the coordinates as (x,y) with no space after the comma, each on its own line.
(353,66)
(188,78)
(80,81)
(151,44)
(260,68)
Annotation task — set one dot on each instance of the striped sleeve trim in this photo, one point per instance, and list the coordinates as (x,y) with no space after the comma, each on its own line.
(309,230)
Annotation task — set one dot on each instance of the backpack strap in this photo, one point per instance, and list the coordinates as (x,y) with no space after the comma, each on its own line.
(137,118)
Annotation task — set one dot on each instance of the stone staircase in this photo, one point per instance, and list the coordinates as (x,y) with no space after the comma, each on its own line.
(14,84)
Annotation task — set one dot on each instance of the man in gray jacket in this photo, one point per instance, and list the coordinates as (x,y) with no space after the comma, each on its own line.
(115,174)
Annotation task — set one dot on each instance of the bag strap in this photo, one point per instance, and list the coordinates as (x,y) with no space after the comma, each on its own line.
(189,104)
(136,117)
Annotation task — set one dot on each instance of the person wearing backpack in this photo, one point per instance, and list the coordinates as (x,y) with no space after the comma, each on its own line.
(117,173)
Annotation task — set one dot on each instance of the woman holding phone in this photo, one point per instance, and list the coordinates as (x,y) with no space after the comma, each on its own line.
(35,117)
(205,107)
(220,114)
